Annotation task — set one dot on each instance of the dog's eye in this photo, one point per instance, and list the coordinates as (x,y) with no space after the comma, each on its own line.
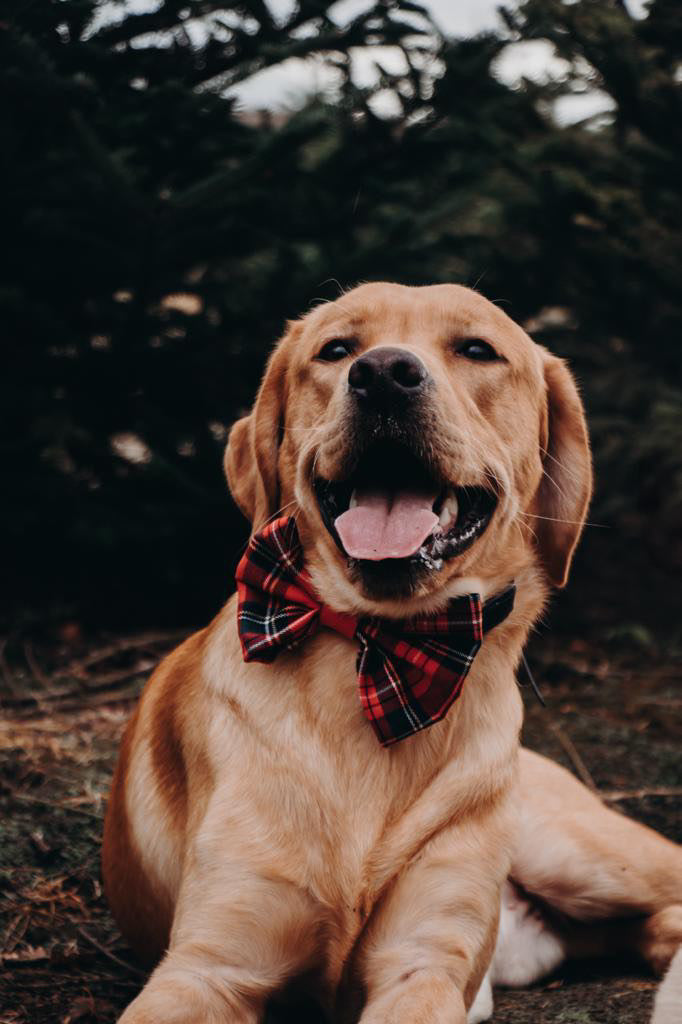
(336,349)
(476,349)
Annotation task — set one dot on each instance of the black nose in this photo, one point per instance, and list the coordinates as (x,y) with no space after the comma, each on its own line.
(387,374)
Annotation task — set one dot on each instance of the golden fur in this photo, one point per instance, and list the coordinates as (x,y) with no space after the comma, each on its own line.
(257,835)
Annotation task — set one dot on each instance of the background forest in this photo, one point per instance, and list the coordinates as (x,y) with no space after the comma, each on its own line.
(156,235)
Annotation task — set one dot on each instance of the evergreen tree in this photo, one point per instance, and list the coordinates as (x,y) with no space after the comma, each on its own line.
(156,238)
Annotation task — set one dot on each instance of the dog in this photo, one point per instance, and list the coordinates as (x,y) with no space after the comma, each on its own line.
(280,822)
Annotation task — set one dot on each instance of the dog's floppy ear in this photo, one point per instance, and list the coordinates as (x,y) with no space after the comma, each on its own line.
(564,493)
(253,444)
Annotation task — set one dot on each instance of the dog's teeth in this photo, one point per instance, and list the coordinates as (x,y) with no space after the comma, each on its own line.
(448,513)
(353,501)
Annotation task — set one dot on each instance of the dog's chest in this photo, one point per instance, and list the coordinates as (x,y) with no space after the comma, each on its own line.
(321,793)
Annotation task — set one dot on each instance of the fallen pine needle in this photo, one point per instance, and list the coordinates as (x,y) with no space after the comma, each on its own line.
(111,956)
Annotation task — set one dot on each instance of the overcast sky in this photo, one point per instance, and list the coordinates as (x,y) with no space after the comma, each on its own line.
(289,83)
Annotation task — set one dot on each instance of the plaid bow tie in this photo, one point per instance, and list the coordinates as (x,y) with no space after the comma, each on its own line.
(407,681)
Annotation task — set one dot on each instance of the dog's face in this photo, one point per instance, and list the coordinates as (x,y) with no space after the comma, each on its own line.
(425,444)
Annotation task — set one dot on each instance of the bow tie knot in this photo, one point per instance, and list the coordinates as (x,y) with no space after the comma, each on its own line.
(409,673)
(339,622)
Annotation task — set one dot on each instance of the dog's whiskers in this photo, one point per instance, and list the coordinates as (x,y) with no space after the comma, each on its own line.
(518,523)
(275,515)
(564,469)
(569,522)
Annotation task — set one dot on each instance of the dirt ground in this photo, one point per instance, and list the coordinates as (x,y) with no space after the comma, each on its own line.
(614,717)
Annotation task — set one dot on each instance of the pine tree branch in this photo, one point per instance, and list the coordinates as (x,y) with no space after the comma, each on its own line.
(164,19)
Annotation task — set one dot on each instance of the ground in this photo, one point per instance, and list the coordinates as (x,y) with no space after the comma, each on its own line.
(614,717)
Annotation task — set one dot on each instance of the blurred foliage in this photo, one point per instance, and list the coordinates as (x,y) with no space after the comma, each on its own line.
(156,236)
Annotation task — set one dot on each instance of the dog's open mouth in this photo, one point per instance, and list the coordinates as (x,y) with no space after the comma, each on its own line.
(395,509)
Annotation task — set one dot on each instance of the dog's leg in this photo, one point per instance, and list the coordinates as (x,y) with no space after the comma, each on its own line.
(237,938)
(594,865)
(426,953)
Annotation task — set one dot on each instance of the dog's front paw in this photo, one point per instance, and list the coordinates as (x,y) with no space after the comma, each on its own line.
(420,995)
(191,1000)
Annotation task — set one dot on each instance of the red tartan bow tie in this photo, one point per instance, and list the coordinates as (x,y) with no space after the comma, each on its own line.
(407,681)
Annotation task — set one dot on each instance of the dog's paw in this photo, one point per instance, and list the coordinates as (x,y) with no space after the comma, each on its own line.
(660,936)
(668,1005)
(482,1007)
(184,998)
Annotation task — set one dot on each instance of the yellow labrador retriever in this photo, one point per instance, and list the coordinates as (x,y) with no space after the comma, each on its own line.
(263,836)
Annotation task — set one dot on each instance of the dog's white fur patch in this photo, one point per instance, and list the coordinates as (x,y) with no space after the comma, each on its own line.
(527,947)
(482,1007)
(668,1005)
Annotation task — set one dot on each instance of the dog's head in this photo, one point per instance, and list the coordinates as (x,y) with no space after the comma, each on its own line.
(425,444)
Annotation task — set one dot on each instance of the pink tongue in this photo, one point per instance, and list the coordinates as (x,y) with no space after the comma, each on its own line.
(386,525)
